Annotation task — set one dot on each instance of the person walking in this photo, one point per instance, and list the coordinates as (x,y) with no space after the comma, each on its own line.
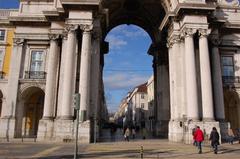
(214,137)
(127,134)
(199,137)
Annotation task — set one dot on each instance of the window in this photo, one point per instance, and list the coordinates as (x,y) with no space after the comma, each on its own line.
(37,65)
(142,96)
(37,61)
(142,105)
(1,59)
(2,35)
(227,66)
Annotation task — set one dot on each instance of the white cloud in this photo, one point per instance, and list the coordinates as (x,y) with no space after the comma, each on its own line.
(123,81)
(116,42)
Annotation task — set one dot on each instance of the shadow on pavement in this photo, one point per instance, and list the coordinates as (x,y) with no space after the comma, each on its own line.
(114,154)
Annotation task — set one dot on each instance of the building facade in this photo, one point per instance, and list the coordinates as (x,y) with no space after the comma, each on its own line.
(58,50)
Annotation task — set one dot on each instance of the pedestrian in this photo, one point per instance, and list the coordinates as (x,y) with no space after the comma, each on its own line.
(230,136)
(199,137)
(127,134)
(193,132)
(133,133)
(214,137)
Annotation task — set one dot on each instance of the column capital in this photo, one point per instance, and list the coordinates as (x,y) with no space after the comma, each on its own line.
(54,37)
(172,40)
(203,32)
(86,27)
(71,28)
(215,40)
(186,32)
(18,41)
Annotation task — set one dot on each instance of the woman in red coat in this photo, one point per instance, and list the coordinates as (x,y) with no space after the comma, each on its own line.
(199,137)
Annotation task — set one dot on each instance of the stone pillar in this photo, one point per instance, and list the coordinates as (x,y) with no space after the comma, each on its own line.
(48,112)
(190,71)
(171,81)
(84,85)
(67,95)
(206,81)
(7,120)
(217,86)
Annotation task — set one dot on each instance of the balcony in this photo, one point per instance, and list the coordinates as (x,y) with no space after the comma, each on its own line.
(35,75)
(230,79)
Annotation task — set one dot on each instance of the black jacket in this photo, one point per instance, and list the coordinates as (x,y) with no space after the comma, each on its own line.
(214,137)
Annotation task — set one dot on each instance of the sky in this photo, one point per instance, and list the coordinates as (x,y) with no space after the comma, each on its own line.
(127,64)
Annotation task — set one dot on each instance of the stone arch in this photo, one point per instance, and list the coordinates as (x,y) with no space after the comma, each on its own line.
(148,15)
(232,108)
(30,111)
(1,101)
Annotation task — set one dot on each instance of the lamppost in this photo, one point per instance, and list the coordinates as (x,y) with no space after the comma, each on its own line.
(76,104)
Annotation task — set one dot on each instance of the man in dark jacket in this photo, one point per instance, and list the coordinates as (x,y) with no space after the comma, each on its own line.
(214,137)
(199,137)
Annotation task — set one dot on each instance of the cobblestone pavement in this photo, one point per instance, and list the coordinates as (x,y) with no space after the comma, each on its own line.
(152,149)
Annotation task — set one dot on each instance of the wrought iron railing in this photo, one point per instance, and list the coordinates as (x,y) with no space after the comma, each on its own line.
(1,74)
(35,75)
(231,79)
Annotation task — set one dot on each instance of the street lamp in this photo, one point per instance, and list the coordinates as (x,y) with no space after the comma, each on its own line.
(76,104)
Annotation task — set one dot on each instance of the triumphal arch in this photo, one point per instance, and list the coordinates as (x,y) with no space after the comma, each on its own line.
(188,37)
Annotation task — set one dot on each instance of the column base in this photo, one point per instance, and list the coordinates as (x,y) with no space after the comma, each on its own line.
(83,115)
(45,129)
(7,128)
(161,129)
(205,126)
(175,133)
(224,126)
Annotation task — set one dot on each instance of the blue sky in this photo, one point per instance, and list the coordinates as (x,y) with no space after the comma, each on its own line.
(126,65)
(9,3)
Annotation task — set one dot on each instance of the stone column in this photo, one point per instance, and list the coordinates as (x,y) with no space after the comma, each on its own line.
(217,80)
(48,112)
(171,81)
(13,81)
(67,95)
(84,85)
(206,81)
(190,70)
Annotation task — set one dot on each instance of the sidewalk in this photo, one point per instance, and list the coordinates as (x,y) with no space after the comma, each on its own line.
(152,149)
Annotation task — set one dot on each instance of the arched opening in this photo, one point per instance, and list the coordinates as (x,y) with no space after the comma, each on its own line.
(31,103)
(232,108)
(127,69)
(1,97)
(146,16)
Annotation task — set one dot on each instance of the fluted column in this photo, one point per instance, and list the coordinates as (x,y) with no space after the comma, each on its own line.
(84,85)
(51,77)
(191,82)
(217,80)
(206,80)
(67,95)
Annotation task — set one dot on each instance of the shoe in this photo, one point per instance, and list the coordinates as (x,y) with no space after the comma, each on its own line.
(215,152)
(200,152)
